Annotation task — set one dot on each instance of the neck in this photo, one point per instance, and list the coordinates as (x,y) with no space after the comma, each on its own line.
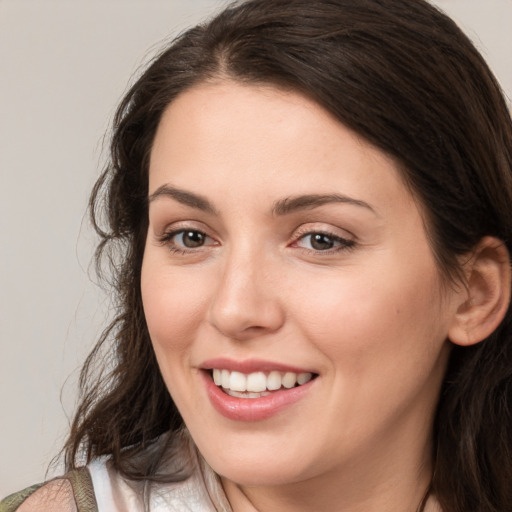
(391,478)
(308,497)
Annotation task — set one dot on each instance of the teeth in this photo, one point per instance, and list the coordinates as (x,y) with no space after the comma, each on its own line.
(302,378)
(238,382)
(257,384)
(274,381)
(289,380)
(246,394)
(224,382)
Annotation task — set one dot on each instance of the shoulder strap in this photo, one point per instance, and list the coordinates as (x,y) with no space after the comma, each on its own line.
(83,492)
(13,501)
(81,482)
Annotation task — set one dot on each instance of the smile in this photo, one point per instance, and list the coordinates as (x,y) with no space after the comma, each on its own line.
(257,384)
(254,390)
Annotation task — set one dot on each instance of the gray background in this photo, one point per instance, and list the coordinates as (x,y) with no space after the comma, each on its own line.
(64,65)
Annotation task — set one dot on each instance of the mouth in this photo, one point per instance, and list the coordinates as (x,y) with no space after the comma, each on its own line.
(255,389)
(257,384)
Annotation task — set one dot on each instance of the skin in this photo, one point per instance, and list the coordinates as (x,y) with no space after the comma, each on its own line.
(370,316)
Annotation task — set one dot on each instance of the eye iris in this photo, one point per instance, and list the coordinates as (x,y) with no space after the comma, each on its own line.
(192,239)
(321,242)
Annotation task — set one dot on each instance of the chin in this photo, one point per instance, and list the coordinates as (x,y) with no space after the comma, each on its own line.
(251,475)
(260,467)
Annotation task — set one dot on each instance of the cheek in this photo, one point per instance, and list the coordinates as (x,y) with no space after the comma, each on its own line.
(390,311)
(173,307)
(383,341)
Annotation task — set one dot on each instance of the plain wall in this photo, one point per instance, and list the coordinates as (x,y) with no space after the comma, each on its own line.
(63,68)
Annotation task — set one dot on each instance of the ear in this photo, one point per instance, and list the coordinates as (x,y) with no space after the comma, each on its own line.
(487,297)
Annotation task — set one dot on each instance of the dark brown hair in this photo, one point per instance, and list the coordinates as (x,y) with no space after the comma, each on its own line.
(403,76)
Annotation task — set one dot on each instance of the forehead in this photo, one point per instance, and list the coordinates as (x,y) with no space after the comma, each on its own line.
(265,141)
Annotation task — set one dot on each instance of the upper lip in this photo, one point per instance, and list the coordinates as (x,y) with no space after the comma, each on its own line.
(250,366)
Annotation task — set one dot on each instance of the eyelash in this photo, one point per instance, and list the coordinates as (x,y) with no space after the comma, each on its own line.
(344,244)
(168,239)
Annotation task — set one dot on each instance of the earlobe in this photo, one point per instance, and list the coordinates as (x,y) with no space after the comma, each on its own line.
(487,297)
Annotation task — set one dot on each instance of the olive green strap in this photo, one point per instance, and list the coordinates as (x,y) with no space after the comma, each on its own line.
(12,502)
(81,482)
(83,492)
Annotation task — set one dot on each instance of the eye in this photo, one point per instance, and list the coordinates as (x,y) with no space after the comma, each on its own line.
(323,242)
(190,238)
(185,240)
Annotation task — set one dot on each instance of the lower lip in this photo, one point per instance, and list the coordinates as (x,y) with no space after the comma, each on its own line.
(253,409)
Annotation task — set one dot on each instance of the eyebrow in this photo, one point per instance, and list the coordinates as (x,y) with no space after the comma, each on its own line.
(183,197)
(310,201)
(281,207)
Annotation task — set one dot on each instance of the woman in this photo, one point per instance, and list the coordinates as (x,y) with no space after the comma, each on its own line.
(307,212)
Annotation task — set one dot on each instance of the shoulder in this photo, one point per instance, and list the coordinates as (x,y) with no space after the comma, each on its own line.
(72,492)
(54,496)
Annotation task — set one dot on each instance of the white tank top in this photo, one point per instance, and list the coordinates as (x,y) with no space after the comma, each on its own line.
(201,492)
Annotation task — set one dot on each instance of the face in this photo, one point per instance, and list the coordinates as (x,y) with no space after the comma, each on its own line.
(291,295)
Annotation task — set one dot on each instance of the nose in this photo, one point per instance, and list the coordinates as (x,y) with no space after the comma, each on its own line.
(247,301)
